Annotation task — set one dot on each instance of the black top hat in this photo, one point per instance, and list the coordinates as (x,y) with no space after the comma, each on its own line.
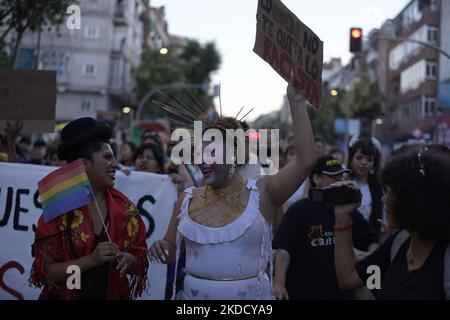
(81,131)
(330,166)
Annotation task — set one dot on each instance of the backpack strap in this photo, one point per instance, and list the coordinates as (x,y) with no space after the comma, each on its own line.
(399,239)
(447,272)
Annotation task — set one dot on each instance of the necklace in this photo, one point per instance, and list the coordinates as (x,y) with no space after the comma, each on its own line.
(226,204)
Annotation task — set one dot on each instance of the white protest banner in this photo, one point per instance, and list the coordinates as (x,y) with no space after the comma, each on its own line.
(288,45)
(30,96)
(153,194)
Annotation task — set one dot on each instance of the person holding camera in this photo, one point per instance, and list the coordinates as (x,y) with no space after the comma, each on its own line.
(414,262)
(304,265)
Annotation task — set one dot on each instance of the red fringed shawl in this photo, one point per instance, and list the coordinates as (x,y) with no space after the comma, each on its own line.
(126,230)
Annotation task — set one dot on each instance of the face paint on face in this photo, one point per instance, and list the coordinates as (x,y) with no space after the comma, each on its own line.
(214,173)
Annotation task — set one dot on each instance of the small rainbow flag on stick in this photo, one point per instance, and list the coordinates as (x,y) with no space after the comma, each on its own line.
(64,189)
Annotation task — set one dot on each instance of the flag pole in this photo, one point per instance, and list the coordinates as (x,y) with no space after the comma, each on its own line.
(101,218)
(103,221)
(99,212)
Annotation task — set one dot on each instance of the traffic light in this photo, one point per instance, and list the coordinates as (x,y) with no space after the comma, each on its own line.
(355,40)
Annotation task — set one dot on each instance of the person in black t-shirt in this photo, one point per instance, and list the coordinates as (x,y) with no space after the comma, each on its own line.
(304,266)
(417,203)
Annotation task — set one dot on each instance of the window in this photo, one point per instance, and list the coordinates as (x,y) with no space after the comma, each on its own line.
(89,69)
(406,50)
(411,110)
(430,106)
(396,85)
(412,77)
(432,35)
(433,5)
(117,71)
(86,106)
(431,70)
(92,32)
(56,60)
(418,110)
(411,15)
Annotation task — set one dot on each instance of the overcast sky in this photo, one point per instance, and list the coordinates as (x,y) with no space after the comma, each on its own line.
(246,80)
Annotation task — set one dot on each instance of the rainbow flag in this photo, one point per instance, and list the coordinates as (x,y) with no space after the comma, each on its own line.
(64,189)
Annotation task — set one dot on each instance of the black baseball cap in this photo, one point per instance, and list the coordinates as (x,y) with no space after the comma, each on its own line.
(330,166)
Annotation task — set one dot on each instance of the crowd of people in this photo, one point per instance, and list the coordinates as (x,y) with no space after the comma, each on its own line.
(236,233)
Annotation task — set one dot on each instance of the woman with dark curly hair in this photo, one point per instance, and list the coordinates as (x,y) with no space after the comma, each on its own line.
(414,262)
(364,161)
(106,240)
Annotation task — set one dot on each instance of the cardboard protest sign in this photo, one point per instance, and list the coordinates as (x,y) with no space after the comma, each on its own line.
(31,126)
(288,45)
(29,96)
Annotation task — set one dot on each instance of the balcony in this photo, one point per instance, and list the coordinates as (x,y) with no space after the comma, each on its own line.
(120,13)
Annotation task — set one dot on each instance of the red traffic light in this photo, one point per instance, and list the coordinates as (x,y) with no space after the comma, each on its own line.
(356,33)
(355,40)
(254,134)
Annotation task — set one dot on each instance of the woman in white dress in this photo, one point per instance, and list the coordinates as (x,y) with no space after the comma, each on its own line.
(225,226)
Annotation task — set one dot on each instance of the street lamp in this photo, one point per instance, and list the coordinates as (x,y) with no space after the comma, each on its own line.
(333,92)
(126,110)
(375,123)
(163,51)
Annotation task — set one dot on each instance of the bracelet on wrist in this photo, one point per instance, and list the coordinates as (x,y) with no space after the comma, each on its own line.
(343,228)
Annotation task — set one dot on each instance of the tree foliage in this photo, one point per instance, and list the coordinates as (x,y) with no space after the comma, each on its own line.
(332,108)
(200,61)
(194,65)
(365,101)
(24,15)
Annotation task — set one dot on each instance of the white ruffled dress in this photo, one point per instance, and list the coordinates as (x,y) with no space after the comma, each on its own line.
(233,262)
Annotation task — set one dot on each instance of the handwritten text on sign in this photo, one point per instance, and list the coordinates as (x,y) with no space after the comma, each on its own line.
(289,45)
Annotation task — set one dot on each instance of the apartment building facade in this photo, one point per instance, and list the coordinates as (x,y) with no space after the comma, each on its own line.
(413,77)
(94,64)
